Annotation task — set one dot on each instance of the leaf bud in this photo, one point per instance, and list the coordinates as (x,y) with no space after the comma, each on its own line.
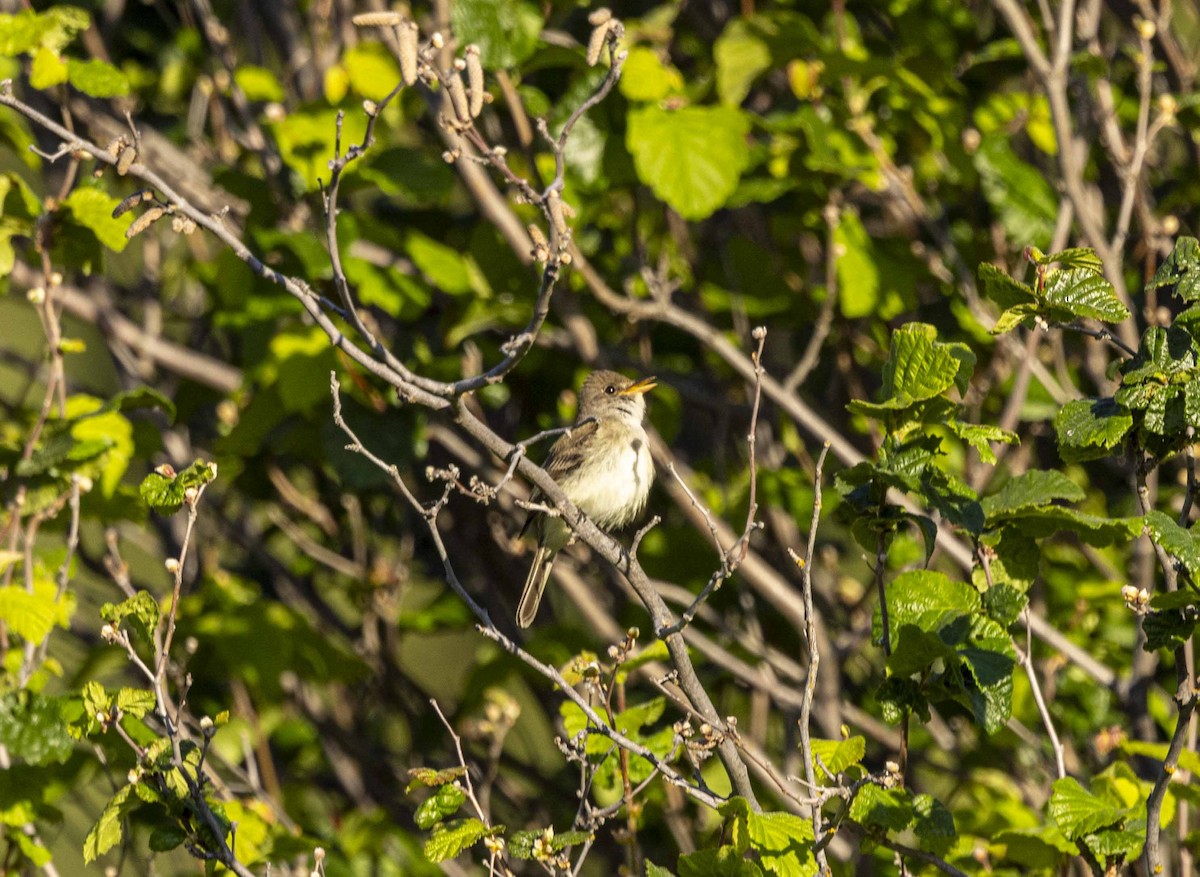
(36,295)
(172,564)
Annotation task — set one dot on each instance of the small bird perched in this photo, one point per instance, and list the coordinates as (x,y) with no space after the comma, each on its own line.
(603,466)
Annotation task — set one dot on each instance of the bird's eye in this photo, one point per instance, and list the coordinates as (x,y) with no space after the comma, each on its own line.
(610,389)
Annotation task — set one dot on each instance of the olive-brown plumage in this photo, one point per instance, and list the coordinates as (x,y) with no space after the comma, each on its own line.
(603,466)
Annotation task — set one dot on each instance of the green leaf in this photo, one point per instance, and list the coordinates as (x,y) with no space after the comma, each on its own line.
(164,838)
(135,701)
(1073,257)
(934,825)
(141,610)
(445,267)
(107,831)
(47,69)
(692,158)
(1188,760)
(1181,270)
(740,55)
(839,755)
(32,615)
(1031,490)
(1084,293)
(928,600)
(1026,204)
(859,283)
(92,209)
(449,839)
(783,842)
(991,695)
(890,809)
(1116,844)
(97,78)
(1004,290)
(918,367)
(442,803)
(258,83)
(33,729)
(1077,811)
(165,491)
(1175,540)
(1089,427)
(645,77)
(724,861)
(53,29)
(980,436)
(1166,629)
(506,31)
(653,870)
(372,69)
(915,650)
(430,778)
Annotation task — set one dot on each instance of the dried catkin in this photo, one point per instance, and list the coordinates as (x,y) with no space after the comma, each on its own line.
(458,97)
(378,19)
(408,37)
(596,43)
(474,80)
(144,221)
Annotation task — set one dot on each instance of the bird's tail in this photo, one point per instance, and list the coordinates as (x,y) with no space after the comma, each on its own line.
(539,574)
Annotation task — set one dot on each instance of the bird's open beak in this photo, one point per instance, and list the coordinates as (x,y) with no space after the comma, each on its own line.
(645,385)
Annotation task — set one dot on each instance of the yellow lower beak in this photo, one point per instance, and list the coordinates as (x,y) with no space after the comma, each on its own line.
(645,385)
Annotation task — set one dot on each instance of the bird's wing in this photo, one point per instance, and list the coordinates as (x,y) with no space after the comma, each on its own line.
(565,454)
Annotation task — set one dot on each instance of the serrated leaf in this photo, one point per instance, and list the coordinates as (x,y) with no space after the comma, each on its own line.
(692,157)
(1084,293)
(740,55)
(653,870)
(1031,490)
(1166,629)
(915,650)
(1078,812)
(724,861)
(141,611)
(934,825)
(890,809)
(430,778)
(839,755)
(645,77)
(108,830)
(32,615)
(1004,290)
(449,839)
(1073,257)
(980,436)
(1175,540)
(928,600)
(135,701)
(165,493)
(1098,424)
(1181,270)
(918,366)
(991,697)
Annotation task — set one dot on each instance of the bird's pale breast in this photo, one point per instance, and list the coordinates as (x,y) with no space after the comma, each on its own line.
(611,486)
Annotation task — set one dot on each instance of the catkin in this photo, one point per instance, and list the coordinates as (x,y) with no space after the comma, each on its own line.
(378,19)
(126,159)
(474,80)
(408,37)
(132,201)
(596,43)
(144,221)
(458,97)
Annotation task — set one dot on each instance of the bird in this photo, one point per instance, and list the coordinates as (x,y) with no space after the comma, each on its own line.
(602,464)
